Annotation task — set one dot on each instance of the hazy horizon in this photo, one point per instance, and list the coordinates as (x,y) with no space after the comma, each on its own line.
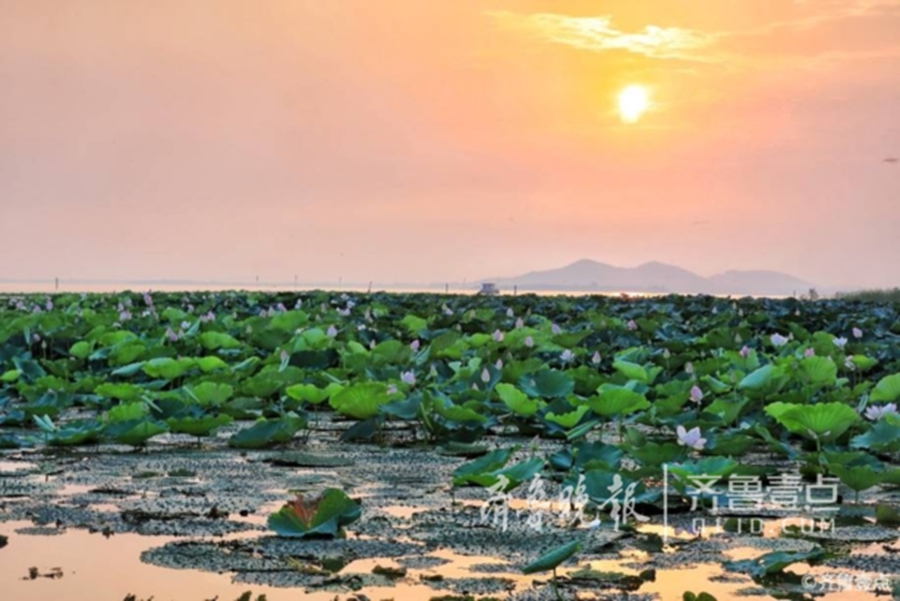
(410,141)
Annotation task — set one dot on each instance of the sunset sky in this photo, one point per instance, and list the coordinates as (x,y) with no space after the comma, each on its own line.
(428,141)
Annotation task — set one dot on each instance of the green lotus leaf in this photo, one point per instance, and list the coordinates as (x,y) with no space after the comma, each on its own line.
(123,392)
(617,401)
(568,420)
(134,432)
(267,432)
(168,368)
(321,516)
(823,421)
(198,426)
(210,394)
(360,401)
(887,389)
(517,401)
(219,340)
(493,461)
(551,560)
(883,437)
(547,383)
(821,371)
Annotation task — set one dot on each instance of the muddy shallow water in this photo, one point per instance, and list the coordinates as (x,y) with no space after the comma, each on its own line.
(182,523)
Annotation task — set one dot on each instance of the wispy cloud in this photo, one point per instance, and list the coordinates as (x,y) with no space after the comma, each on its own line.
(597,34)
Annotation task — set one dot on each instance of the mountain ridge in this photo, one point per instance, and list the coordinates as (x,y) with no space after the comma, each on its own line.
(657,277)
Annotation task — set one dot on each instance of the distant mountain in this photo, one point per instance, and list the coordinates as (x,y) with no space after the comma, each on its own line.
(655,277)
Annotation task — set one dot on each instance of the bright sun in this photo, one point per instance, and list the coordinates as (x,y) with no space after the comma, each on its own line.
(633,102)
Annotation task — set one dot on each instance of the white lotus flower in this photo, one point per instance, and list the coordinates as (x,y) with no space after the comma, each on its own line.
(595,359)
(691,438)
(778,340)
(876,413)
(840,342)
(408,377)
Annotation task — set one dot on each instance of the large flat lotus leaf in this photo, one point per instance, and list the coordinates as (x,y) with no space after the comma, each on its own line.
(859,477)
(308,393)
(617,401)
(322,515)
(887,389)
(458,413)
(517,401)
(554,558)
(775,562)
(267,432)
(821,371)
(127,412)
(883,437)
(134,432)
(361,401)
(218,340)
(547,383)
(210,394)
(288,321)
(568,420)
(596,454)
(761,379)
(124,392)
(493,461)
(210,364)
(656,454)
(76,433)
(632,371)
(198,426)
(168,368)
(515,474)
(825,421)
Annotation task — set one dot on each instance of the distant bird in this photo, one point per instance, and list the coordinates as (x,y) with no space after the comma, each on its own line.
(892,160)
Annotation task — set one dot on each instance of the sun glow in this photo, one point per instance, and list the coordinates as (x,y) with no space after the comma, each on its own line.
(633,103)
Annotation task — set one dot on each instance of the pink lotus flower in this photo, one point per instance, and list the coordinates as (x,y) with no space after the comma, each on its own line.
(520,323)
(810,352)
(745,351)
(485,375)
(691,438)
(36,337)
(567,356)
(857,333)
(498,336)
(171,335)
(332,331)
(49,305)
(124,316)
(408,377)
(876,413)
(689,368)
(595,359)
(555,329)
(447,310)
(696,394)
(840,342)
(499,364)
(631,325)
(529,341)
(392,389)
(414,345)
(509,312)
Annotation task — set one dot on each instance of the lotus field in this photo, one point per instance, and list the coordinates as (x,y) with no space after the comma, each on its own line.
(516,398)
